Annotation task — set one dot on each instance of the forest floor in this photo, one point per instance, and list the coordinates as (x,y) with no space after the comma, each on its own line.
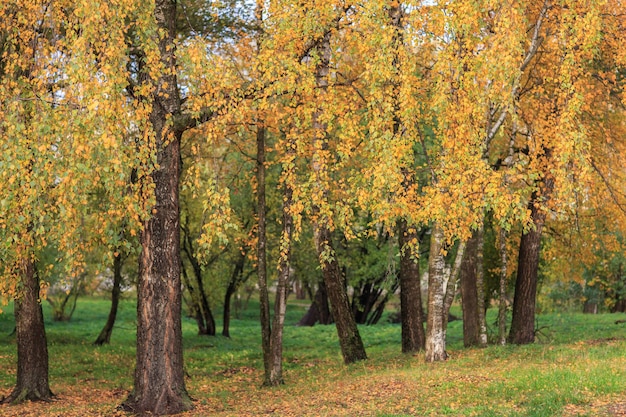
(576,368)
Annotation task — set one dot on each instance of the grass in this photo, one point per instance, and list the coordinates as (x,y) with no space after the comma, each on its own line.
(577,369)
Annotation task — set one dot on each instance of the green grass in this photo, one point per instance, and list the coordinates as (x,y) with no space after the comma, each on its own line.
(577,368)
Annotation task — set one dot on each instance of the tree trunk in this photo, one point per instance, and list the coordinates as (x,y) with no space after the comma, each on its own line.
(347,330)
(349,338)
(469,294)
(159,384)
(411,311)
(264,301)
(226,314)
(105,335)
(196,309)
(435,332)
(319,311)
(204,308)
(523,319)
(369,298)
(32,348)
(480,287)
(280,306)
(473,292)
(503,282)
(233,284)
(452,284)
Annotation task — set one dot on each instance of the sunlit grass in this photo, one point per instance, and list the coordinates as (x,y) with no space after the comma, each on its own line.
(577,368)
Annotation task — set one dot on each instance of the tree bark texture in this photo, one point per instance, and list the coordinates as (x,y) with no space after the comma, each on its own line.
(523,319)
(159,384)
(105,335)
(435,332)
(32,349)
(411,311)
(350,341)
(473,293)
(469,295)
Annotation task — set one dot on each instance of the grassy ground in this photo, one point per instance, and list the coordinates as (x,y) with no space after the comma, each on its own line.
(577,369)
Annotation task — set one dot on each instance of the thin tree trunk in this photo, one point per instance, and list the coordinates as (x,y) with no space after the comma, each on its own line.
(196,309)
(523,319)
(204,308)
(235,280)
(159,384)
(226,314)
(32,349)
(280,306)
(435,333)
(105,335)
(349,338)
(411,312)
(503,282)
(480,287)
(452,285)
(264,300)
(377,314)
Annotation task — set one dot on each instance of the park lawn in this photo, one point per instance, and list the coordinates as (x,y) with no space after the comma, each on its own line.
(578,368)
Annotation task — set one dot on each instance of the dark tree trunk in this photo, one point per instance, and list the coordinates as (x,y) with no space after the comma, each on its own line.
(264,300)
(592,308)
(411,310)
(226,319)
(377,313)
(349,338)
(469,293)
(32,348)
(319,311)
(159,384)
(105,335)
(503,285)
(368,298)
(523,319)
(235,280)
(159,377)
(194,304)
(206,326)
(300,290)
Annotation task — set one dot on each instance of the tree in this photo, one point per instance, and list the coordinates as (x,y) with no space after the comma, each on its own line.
(55,136)
(349,338)
(553,119)
(159,384)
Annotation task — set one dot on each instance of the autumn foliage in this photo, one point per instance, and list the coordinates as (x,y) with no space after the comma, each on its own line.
(371,118)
